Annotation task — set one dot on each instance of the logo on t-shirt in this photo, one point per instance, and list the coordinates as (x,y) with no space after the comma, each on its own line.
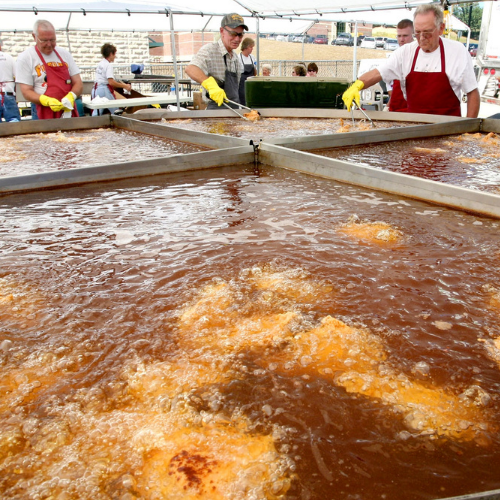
(39,68)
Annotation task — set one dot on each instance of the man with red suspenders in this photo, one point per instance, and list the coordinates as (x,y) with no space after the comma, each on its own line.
(48,77)
(434,71)
(404,34)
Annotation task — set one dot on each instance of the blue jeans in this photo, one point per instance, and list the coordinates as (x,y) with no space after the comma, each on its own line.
(9,110)
(103,91)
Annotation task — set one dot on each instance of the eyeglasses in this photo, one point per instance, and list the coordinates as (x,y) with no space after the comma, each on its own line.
(234,33)
(50,40)
(425,34)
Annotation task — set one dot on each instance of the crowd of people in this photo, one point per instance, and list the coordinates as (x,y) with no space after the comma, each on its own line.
(428,74)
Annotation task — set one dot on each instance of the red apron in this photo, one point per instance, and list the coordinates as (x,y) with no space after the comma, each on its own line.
(431,93)
(397,101)
(58,85)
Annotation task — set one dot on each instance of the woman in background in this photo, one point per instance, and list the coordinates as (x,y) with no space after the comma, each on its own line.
(312,69)
(105,82)
(266,69)
(248,63)
(299,70)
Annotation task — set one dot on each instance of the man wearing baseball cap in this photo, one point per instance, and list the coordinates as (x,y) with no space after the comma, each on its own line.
(216,65)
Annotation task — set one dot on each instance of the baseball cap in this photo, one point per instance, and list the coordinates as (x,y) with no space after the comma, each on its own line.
(233,21)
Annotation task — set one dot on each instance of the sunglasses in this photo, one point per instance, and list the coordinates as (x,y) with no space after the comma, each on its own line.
(234,33)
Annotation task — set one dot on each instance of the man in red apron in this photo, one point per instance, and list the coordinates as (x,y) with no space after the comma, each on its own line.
(434,72)
(48,77)
(404,35)
(216,65)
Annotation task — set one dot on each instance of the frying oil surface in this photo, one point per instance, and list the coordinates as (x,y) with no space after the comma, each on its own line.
(241,334)
(467,160)
(268,127)
(29,154)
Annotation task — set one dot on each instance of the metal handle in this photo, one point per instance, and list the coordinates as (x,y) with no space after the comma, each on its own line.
(366,116)
(234,111)
(238,104)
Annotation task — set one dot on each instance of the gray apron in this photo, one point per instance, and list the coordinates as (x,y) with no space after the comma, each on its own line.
(229,86)
(248,70)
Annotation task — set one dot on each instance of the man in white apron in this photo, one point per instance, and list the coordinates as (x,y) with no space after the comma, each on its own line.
(216,65)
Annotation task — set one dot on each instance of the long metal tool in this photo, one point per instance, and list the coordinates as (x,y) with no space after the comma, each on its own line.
(238,104)
(244,107)
(366,116)
(234,111)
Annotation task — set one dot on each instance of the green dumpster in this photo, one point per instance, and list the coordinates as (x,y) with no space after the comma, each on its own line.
(295,92)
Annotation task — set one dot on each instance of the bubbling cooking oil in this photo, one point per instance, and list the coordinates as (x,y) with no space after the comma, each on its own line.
(466,160)
(35,153)
(268,127)
(242,334)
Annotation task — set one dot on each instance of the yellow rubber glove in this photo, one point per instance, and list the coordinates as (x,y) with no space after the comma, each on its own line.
(214,91)
(51,102)
(352,94)
(157,106)
(70,96)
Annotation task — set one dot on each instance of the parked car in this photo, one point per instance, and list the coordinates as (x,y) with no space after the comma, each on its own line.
(360,39)
(368,43)
(391,44)
(472,49)
(303,38)
(322,39)
(282,38)
(379,42)
(344,39)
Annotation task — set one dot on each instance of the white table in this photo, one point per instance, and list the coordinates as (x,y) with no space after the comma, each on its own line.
(138,101)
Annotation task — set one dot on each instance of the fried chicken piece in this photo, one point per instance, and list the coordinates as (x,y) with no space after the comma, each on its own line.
(355,359)
(372,232)
(252,115)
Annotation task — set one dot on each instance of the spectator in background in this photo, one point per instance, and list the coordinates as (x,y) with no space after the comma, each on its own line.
(8,105)
(248,63)
(105,83)
(312,69)
(299,70)
(266,69)
(404,35)
(48,76)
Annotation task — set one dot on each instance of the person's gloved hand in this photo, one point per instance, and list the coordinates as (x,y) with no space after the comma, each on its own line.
(51,102)
(214,91)
(352,94)
(68,101)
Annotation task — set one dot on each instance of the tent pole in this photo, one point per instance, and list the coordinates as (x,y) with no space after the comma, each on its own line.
(174,58)
(67,32)
(355,62)
(258,45)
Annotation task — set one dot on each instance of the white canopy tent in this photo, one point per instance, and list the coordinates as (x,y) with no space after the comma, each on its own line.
(152,15)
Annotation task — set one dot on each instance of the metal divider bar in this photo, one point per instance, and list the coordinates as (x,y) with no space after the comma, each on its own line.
(114,171)
(379,135)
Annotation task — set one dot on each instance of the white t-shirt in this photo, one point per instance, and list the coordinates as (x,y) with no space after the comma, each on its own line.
(6,73)
(30,70)
(458,67)
(247,59)
(103,71)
